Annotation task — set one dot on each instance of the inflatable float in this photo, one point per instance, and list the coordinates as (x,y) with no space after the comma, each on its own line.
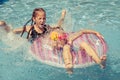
(42,51)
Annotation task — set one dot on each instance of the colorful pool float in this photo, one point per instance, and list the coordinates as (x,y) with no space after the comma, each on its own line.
(42,51)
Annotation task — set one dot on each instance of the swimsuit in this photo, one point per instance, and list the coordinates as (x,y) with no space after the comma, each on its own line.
(34,34)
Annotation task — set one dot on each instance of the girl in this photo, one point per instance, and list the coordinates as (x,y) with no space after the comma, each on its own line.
(38,25)
(63,41)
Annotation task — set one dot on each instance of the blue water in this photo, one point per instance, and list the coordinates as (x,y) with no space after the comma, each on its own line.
(101,15)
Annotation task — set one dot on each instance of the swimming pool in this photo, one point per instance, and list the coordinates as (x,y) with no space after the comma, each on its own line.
(100,15)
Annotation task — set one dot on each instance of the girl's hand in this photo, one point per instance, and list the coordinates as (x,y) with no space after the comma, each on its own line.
(63,13)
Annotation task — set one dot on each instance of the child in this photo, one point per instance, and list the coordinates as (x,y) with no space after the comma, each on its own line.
(65,42)
(60,40)
(39,28)
(38,25)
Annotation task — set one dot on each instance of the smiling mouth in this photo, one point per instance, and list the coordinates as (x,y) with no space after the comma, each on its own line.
(42,25)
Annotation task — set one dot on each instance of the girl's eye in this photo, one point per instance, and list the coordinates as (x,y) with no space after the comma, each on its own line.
(42,18)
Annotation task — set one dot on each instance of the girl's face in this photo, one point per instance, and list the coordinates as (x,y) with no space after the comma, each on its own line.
(40,18)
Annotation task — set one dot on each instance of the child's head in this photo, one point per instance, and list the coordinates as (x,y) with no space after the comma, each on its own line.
(61,38)
(58,36)
(39,16)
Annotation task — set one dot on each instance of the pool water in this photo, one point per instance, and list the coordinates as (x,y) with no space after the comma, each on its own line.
(101,15)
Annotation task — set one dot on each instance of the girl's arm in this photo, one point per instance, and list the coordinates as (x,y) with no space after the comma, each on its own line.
(19,30)
(92,31)
(75,35)
(61,20)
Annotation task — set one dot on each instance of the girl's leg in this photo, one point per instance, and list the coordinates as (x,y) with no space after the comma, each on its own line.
(67,58)
(91,52)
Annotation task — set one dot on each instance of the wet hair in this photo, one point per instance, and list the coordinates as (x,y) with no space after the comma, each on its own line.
(36,10)
(34,14)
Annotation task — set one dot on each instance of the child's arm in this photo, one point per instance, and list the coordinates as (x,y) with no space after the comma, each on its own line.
(92,31)
(19,30)
(61,20)
(75,35)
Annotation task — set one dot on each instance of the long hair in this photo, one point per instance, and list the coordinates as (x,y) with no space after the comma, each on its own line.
(35,12)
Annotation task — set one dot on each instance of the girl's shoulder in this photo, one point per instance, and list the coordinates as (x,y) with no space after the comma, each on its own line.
(28,28)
